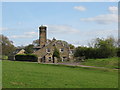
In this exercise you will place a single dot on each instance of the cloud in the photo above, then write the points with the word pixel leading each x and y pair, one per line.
pixel 31 33
pixel 103 19
pixel 113 9
pixel 20 36
pixel 88 36
pixel 62 29
pixel 60 0
pixel 19 23
pixel 3 28
pixel 103 33
pixel 25 35
pixel 80 8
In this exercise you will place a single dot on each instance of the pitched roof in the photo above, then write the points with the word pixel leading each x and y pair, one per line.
pixel 17 51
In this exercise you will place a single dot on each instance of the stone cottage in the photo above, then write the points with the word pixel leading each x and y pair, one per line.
pixel 45 49
pixel 17 51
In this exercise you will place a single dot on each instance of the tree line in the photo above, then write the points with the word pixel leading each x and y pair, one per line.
pixel 99 48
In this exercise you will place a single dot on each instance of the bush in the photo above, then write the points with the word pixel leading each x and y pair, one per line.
pixel 56 53
pixel 118 52
pixel 3 57
pixel 85 52
pixel 26 57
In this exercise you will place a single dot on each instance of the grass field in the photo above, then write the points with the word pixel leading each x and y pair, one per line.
pixel 34 75
pixel 106 62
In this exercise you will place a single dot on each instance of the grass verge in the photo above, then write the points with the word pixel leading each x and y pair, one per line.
pixel 106 62
pixel 33 75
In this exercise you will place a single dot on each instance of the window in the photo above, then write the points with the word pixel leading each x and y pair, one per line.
pixel 48 50
pixel 49 58
pixel 62 50
pixel 63 59
pixel 54 44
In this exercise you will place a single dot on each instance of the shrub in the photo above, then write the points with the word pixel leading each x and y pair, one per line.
pixel 3 57
pixel 56 53
pixel 118 52
pixel 26 57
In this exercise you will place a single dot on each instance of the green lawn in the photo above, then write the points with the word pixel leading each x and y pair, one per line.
pixel 34 75
pixel 106 62
pixel 1 74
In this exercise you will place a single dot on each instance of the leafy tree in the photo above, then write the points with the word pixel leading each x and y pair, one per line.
pixel 118 52
pixel 118 42
pixel 29 49
pixel 63 42
pixel 36 42
pixel 21 47
pixel 7 45
pixel 80 51
pixel 56 53
pixel 105 47
pixel 101 48
pixel 71 46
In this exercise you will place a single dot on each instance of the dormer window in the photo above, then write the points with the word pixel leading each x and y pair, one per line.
pixel 48 50
pixel 54 44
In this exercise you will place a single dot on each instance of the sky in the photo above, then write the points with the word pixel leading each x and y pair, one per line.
pixel 78 23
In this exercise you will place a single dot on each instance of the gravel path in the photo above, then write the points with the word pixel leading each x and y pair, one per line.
pixel 76 64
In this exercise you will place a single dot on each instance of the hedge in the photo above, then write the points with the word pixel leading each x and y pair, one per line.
pixel 118 52
pixel 26 57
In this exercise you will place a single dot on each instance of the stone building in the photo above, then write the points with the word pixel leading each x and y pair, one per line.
pixel 17 51
pixel 45 49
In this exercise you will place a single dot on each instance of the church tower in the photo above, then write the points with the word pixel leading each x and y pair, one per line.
pixel 42 35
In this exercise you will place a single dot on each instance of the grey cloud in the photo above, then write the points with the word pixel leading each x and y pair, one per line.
pixel 62 29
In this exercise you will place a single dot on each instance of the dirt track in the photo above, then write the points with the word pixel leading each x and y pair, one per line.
pixel 76 64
